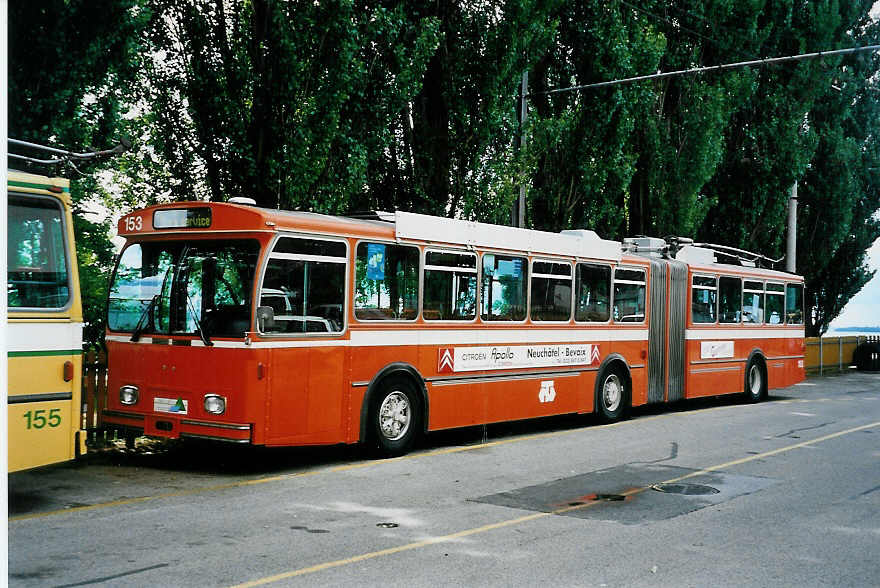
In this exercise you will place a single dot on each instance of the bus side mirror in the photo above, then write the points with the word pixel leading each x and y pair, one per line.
pixel 265 318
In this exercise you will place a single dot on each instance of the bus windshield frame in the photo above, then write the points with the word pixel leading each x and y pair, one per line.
pixel 184 287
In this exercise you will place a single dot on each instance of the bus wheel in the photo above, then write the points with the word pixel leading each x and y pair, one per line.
pixel 612 394
pixel 756 381
pixel 395 417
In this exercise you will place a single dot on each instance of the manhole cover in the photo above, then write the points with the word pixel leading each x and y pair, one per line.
pixel 688 489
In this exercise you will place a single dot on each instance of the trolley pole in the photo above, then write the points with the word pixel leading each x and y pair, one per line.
pixel 791 248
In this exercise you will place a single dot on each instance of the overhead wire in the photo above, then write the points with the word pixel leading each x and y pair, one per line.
pixel 710 68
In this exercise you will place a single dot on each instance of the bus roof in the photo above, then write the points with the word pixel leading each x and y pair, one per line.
pixel 215 217
pixel 404 226
pixel 38 184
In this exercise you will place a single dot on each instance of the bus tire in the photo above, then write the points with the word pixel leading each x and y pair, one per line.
pixel 395 415
pixel 756 381
pixel 612 393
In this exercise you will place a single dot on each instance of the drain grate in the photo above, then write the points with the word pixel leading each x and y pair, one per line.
pixel 686 489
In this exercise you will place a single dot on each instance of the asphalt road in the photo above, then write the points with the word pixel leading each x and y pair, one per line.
pixel 710 493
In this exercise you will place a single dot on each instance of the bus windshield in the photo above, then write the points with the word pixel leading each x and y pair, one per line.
pixel 184 288
pixel 36 254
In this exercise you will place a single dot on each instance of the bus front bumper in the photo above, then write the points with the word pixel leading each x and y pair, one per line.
pixel 171 427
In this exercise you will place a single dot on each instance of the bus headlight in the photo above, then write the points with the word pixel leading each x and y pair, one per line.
pixel 128 395
pixel 215 404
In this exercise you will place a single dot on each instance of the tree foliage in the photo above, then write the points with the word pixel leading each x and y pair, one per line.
pixel 71 69
pixel 383 104
pixel 283 102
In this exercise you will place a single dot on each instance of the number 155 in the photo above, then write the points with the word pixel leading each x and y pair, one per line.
pixel 37 419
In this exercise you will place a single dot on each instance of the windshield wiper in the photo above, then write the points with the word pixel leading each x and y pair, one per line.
pixel 142 324
pixel 202 335
pixel 201 332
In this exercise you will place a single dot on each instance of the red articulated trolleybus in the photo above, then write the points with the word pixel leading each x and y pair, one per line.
pixel 236 323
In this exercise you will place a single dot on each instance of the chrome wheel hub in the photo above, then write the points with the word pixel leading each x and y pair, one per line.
pixel 612 393
pixel 755 380
pixel 394 416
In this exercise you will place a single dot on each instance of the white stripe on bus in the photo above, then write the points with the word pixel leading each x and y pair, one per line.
pixel 482 336
pixel 440 337
pixel 746 333
pixel 31 336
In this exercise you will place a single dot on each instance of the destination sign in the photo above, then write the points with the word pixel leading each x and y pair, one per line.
pixel 182 218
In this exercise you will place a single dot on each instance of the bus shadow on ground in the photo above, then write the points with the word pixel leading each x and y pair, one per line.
pixel 218 458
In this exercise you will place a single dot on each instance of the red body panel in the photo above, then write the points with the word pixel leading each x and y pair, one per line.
pixel 784 358
pixel 188 373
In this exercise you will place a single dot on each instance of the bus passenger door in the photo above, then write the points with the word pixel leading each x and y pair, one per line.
pixel 303 290
pixel 305 394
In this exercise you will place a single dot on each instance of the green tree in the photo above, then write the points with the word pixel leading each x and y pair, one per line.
pixel 385 104
pixel 839 194
pixel 581 156
pixel 274 100
pixel 679 137
pixel 71 65
pixel 813 121
pixel 464 124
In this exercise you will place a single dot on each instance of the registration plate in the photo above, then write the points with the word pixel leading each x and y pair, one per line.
pixel 172 405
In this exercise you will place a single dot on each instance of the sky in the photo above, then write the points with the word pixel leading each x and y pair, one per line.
pixel 862 309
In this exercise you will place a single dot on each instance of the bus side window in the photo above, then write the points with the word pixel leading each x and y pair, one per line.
pixel 551 291
pixel 304 284
pixel 593 293
pixel 387 282
pixel 704 293
pixel 629 296
pixel 450 286
pixel 504 287
pixel 775 297
pixel 794 304
pixel 729 299
pixel 753 302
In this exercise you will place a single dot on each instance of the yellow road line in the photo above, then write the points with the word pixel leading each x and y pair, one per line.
pixel 527 518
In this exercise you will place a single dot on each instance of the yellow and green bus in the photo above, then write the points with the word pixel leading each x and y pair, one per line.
pixel 44 329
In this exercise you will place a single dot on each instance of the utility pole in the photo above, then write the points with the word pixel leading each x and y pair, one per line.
pixel 518 216
pixel 791 245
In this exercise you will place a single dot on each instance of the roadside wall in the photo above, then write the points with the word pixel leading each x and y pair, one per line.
pixel 832 354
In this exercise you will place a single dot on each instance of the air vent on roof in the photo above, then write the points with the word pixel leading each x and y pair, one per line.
pixel 650 246
pixel 242 200
pixel 696 255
